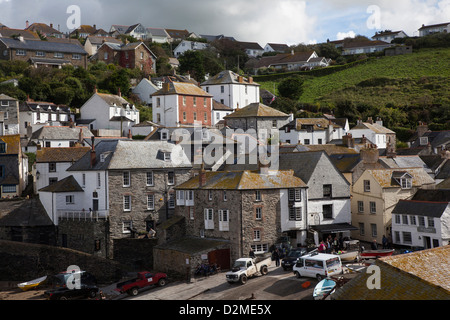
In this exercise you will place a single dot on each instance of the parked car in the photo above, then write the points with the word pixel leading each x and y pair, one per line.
pixel 245 268
pixel 86 291
pixel 62 291
pixel 318 265
pixel 291 258
pixel 142 280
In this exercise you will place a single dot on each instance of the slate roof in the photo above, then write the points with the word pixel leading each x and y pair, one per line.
pixel 26 34
pixel 147 154
pixel 245 180
pixel 43 28
pixel 279 47
pixel 385 179
pixel 100 40
pixel 5 97
pixel 68 184
pixel 38 45
pixel 23 213
pixel 434 25
pixel 182 88
pixel 439 195
pixel 250 45
pixel 43 107
pixel 420 208
pixel 315 123
pixel 227 77
pixel 113 99
pixel 420 275
pixel 410 161
pixel 60 154
pixel 157 32
pixel 220 106
pixel 257 110
pixel 330 149
pixel 84 164
pixel 61 133
pixel 375 127
pixel 284 58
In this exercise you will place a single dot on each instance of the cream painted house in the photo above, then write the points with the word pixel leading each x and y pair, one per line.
pixel 375 194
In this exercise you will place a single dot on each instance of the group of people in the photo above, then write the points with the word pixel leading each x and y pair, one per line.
pixel 331 244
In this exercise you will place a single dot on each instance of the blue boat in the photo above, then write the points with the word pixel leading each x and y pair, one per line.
pixel 324 288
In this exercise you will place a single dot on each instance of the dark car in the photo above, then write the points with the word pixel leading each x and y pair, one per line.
pixel 289 261
pixel 62 291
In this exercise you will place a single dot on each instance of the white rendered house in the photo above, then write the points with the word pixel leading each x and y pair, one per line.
pixel 110 112
pixel 232 90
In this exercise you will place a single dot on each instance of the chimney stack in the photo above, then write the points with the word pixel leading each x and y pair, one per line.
pixel 51 25
pixel 119 93
pixel 370 154
pixel 130 136
pixel 166 87
pixel 93 153
pixel 27 24
pixel 202 176
pixel 348 140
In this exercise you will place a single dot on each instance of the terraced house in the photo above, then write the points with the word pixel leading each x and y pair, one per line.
pixel 43 53
pixel 249 209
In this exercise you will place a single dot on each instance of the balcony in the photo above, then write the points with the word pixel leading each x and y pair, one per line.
pixel 83 215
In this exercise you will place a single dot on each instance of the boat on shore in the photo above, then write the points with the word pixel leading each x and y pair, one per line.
pixel 374 254
pixel 348 255
pixel 31 284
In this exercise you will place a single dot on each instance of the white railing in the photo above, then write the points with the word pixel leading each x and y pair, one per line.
pixel 83 215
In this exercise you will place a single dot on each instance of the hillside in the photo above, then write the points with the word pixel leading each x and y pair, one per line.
pixel 408 82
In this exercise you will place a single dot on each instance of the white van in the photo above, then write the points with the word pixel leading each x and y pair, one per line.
pixel 317 265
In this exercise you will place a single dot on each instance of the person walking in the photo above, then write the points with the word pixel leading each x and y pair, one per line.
pixel 276 255
pixel 322 247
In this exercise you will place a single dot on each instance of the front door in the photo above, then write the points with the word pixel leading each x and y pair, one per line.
pixel 427 242
pixel 95 205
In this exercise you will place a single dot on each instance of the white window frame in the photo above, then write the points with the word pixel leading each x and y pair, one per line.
pixel 256 235
pixel 224 220
pixel 373 207
pixel 171 181
pixel 126 179
pixel 360 206
pixel 150 202
pixel 125 225
pixel 149 179
pixel 209 218
pixel 127 203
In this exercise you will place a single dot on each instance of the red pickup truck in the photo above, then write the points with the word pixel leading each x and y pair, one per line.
pixel 143 279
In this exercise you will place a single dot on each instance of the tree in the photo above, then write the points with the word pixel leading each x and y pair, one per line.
pixel 291 88
pixel 192 62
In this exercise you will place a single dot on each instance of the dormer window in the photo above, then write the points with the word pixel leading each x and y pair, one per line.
pixel 167 156
pixel 406 183
pixel 423 141
pixel 404 179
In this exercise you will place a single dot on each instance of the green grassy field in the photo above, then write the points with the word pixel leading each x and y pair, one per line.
pixel 421 78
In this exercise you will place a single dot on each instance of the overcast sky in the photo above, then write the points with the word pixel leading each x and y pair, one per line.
pixel 262 21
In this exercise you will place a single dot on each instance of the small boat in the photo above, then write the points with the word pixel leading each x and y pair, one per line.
pixel 356 268
pixel 373 254
pixel 348 255
pixel 324 288
pixel 31 284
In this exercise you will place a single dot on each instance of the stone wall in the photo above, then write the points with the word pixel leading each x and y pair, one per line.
pixel 88 235
pixel 24 262
pixel 135 253
pixel 242 218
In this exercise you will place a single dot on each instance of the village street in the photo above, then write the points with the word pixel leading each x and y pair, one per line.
pixel 276 285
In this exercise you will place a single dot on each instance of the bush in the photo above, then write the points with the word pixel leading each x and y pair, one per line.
pixel 291 88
